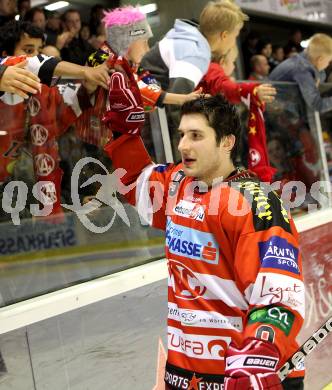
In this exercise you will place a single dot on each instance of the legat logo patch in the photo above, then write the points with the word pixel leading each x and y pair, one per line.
pixel 278 253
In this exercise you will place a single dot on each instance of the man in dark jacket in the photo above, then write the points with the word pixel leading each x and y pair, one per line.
pixel 307 70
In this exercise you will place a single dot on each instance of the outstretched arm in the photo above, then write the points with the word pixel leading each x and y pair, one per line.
pixel 16 79
pixel 98 75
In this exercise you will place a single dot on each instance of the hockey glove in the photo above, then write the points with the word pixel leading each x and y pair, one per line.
pixel 252 367
pixel 125 113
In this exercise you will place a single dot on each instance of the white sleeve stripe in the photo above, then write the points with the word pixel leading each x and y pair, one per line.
pixel 143 201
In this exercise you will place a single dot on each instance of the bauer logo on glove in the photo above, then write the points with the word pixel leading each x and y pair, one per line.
pixel 125 113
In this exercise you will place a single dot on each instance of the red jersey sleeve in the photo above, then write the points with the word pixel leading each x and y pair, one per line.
pixel 144 184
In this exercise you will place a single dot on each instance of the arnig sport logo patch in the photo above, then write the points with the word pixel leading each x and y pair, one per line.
pixel 278 253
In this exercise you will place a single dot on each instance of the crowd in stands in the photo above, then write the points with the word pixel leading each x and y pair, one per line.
pixel 65 35
pixel 261 55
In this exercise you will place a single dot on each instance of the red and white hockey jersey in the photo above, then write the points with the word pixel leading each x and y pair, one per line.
pixel 233 259
pixel 39 122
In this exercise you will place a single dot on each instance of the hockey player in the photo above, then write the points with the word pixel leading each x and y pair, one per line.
pixel 235 288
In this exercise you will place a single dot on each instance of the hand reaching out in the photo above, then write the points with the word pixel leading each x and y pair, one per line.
pixel 266 93
pixel 16 79
pixel 98 75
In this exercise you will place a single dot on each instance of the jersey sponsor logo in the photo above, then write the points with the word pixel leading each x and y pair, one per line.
pixel 267 207
pixel 44 164
pixel 197 346
pixel 203 319
pixel 184 282
pixel 278 253
pixel 190 210
pixel 187 285
pixel 276 316
pixel 39 134
pixel 191 243
pixel 271 288
pixel 193 382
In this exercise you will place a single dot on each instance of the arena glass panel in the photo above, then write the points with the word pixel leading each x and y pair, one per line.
pixel 43 254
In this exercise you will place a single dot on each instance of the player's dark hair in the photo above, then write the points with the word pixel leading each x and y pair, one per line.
pixel 11 33
pixel 221 116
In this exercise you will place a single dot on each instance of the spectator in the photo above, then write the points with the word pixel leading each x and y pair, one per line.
pixel 54 109
pixel 85 32
pixel 97 28
pixel 75 50
pixel 277 56
pixel 217 80
pixel 20 38
pixel 293 46
pixel 53 28
pixel 307 70
pixel 23 6
pixel 182 57
pixel 7 11
pixel 51 51
pixel 96 16
pixel 249 49
pixel 37 17
pixel 260 68
pixel 264 47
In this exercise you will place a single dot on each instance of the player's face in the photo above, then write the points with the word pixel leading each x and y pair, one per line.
pixel 136 50
pixel 28 46
pixel 202 157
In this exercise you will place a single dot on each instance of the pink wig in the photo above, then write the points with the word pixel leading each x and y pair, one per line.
pixel 122 16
